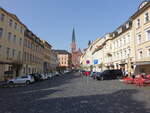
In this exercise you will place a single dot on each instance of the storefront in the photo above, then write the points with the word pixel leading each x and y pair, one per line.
pixel 142 67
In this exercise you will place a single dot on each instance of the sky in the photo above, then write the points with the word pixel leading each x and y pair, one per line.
pixel 53 20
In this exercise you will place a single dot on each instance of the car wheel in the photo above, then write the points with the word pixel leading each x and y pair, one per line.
pixel 27 82
pixel 11 83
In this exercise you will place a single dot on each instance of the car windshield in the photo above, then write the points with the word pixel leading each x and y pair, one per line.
pixel 24 77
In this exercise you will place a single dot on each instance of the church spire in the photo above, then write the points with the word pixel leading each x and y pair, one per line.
pixel 73 36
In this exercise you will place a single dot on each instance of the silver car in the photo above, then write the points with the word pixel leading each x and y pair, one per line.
pixel 27 79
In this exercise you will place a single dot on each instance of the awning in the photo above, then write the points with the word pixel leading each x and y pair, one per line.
pixel 142 63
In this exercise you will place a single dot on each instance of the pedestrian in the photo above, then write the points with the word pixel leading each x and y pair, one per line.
pixel 126 73
pixel 81 73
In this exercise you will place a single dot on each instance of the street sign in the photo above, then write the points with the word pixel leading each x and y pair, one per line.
pixel 87 62
pixel 96 61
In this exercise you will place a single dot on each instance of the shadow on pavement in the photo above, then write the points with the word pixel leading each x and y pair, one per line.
pixel 121 101
pixel 118 102
pixel 55 81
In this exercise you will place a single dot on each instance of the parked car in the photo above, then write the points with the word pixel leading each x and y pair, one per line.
pixel 49 75
pixel 109 75
pixel 56 74
pixel 27 79
pixel 37 76
pixel 44 76
pixel 96 74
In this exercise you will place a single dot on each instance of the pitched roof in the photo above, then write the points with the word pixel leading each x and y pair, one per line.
pixel 61 51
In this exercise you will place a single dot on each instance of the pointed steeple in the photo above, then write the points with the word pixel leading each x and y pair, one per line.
pixel 73 36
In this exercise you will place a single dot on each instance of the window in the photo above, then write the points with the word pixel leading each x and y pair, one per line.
pixel 13 52
pixel 129 51
pixel 19 55
pixel 10 22
pixel 139 40
pixel 25 42
pixel 15 26
pixel 138 23
pixel 8 52
pixel 20 42
pixel 117 43
pixel 146 17
pixel 128 38
pixel 1 32
pixel 125 53
pixel 121 54
pixel 21 30
pixel 0 48
pixel 9 36
pixel 148 52
pixel 124 40
pixel 148 34
pixel 2 16
pixel 14 39
pixel 120 42
pixel 140 54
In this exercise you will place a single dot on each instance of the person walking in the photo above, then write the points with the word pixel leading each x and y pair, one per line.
pixel 126 73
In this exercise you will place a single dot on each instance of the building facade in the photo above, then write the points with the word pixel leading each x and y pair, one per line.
pixel 21 51
pixel 33 51
pixel 141 33
pixel 11 44
pixel 126 48
pixel 64 59
pixel 54 63
pixel 47 57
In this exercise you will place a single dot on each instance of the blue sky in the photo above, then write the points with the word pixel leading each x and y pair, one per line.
pixel 53 20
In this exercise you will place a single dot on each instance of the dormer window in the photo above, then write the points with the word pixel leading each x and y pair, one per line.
pixel 143 4
pixel 127 25
pixel 113 35
pixel 119 30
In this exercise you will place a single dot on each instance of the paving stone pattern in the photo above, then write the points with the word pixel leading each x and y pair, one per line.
pixel 74 94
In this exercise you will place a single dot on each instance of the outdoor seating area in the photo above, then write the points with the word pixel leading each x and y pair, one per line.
pixel 138 80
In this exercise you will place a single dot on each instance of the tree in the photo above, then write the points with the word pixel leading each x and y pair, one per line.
pixel 101 65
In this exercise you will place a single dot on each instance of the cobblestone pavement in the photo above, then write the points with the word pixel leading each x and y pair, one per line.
pixel 74 94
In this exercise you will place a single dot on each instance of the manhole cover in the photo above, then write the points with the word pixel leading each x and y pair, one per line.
pixel 84 102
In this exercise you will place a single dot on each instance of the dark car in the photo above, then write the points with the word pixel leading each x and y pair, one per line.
pixel 37 77
pixel 109 75
pixel 96 74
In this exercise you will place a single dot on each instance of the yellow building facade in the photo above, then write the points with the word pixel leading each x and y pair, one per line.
pixel 32 54
pixel 11 44
pixel 47 57
pixel 141 34
pixel 21 51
